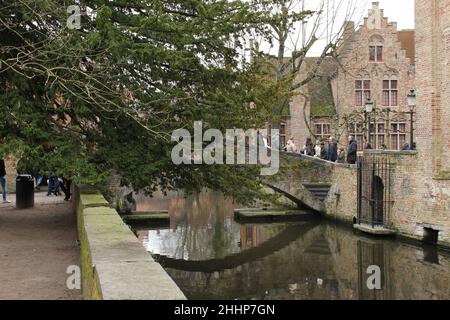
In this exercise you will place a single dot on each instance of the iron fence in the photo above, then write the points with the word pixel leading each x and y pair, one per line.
pixel 374 191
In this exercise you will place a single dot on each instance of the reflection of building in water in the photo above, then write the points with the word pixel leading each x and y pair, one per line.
pixel 195 221
pixel 200 209
pixel 322 261
pixel 157 202
pixel 373 254
pixel 252 236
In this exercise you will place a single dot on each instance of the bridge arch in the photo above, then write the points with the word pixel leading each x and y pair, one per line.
pixel 276 243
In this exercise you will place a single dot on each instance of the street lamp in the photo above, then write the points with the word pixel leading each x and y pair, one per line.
pixel 368 109
pixel 411 105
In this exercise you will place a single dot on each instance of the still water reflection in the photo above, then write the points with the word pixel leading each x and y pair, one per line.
pixel 210 256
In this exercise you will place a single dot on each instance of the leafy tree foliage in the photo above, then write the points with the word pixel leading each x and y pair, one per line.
pixel 105 97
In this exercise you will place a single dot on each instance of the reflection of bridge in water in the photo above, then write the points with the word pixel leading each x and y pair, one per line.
pixel 276 243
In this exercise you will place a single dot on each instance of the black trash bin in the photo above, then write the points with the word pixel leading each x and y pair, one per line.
pixel 24 191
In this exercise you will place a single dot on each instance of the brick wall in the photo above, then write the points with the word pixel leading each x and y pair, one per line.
pixel 431 176
pixel 417 201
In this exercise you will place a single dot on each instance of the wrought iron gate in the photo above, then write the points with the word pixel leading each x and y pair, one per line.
pixel 374 192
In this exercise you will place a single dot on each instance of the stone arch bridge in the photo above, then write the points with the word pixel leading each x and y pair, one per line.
pixel 326 187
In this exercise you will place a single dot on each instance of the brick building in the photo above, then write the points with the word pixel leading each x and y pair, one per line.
pixel 376 62
pixel 385 64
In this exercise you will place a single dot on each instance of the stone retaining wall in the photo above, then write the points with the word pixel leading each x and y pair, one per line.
pixel 114 264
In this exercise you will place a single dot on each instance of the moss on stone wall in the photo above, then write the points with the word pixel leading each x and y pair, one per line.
pixel 442 175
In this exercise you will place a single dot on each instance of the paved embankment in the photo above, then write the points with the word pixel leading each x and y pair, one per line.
pixel 36 247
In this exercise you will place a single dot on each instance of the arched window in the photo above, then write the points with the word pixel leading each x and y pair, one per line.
pixel 376 48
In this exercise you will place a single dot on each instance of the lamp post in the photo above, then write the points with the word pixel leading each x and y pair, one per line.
pixel 368 109
pixel 411 105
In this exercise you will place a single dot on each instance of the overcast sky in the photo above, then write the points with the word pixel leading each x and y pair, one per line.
pixel 400 11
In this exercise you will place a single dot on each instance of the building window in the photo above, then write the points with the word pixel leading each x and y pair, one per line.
pixel 376 53
pixel 398 135
pixel 323 131
pixel 378 136
pixel 390 93
pixel 362 92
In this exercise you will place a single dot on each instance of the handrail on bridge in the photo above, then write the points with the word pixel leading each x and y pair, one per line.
pixel 318 160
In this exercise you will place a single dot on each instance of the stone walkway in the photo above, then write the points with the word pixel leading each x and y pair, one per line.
pixel 36 247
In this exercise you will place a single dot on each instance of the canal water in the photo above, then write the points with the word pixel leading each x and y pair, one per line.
pixel 210 256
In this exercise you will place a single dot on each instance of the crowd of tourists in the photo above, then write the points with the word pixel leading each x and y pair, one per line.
pixel 55 184
pixel 329 151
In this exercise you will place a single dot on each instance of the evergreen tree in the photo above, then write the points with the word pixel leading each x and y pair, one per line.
pixel 108 95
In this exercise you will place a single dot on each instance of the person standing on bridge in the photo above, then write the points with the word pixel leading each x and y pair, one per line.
pixel 3 180
pixel 308 148
pixel 290 146
pixel 352 150
pixel 318 149
pixel 332 149
pixel 323 151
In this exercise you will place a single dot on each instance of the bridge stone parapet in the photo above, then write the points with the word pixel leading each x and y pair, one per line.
pixel 326 187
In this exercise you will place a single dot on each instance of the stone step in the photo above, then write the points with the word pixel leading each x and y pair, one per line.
pixel 146 217
pixel 318 190
pixel 273 215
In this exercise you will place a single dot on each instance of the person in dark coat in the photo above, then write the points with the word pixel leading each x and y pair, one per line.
pixel 352 150
pixel 308 148
pixel 323 151
pixel 65 187
pixel 3 180
pixel 332 150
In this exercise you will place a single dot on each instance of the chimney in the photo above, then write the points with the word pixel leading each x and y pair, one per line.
pixel 348 29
